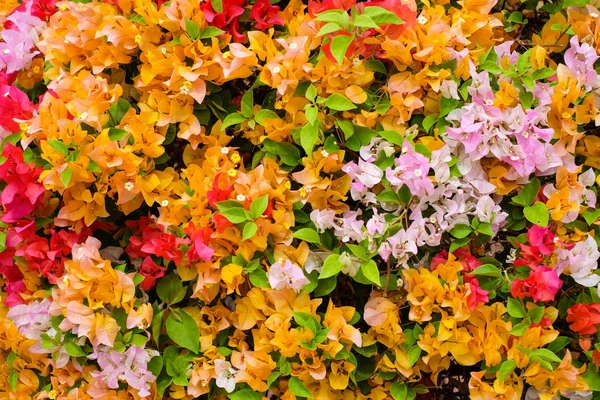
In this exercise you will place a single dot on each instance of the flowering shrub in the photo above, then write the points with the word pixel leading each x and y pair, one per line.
pixel 328 199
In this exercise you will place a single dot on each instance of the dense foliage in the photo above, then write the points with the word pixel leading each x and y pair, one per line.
pixel 328 199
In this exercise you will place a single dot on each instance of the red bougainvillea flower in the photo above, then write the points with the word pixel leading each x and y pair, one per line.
pixel 265 15
pixel 199 238
pixel 151 272
pixel 154 241
pixel 43 9
pixel 316 7
pixel 227 19
pixel 221 223
pixel 22 193
pixel 218 192
pixel 14 104
pixel 584 318
pixel 542 285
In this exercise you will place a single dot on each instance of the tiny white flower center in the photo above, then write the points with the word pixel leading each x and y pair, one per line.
pixel 241 197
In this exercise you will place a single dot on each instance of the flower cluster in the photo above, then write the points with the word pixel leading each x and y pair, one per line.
pixel 322 199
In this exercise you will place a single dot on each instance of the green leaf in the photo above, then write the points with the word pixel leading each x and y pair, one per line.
pixel 298 388
pixel 155 365
pixel 182 329
pixel 245 394
pixel 545 355
pixel 543 73
pixel 536 314
pixel 559 344
pixel 376 66
pixel 519 329
pixel 232 119
pixel 506 368
pixel 325 286
pixel 330 27
pixel 210 31
pixel 413 355
pixel 364 21
pixel 308 137
pixel 65 177
pixel 235 215
pixel 217 5
pixel 308 235
pixel 59 146
pixel 592 378
pixel 338 16
pixel 338 102
pixel 346 127
pixel 515 308
pixel 192 29
pixel 381 16
pixel 371 272
pixel 399 391
pixel 331 266
pixel 228 204
pixel 265 114
pixel 529 193
pixel 485 229
pixel 170 289
pixel 13 378
pixel 249 230
pixel 339 45
pixel 311 111
pixel 447 105
pixel 117 134
pixel 460 231
pixel 93 166
pixel 591 215
pixel 487 270
pixel 258 206
pixel 523 62
pixel 537 214
pixel 311 93
pixel 247 103
pixel 118 109
pixel 73 350
pixel 258 278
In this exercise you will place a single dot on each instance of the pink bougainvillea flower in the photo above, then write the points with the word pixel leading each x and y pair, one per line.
pixel 22 193
pixel 14 105
pixel 542 285
pixel 199 239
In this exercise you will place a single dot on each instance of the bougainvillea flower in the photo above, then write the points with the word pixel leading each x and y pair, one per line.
pixel 542 285
pixel 14 106
pixel 227 19
pixel 151 272
pixel 265 15
pixel 584 318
